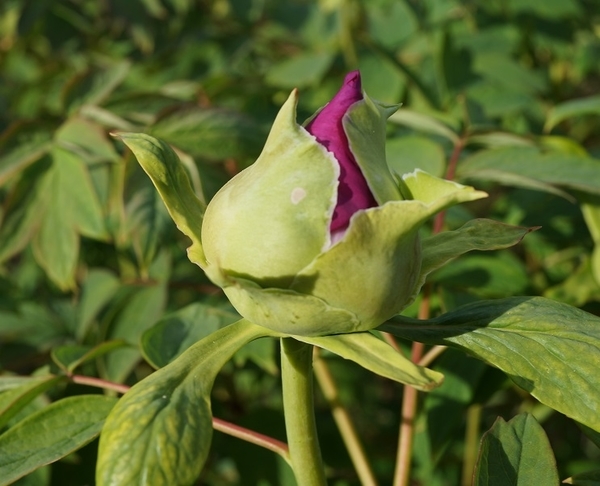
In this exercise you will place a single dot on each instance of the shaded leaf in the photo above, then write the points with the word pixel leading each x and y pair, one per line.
pixel 71 356
pixel 516 452
pixel 299 71
pixel 26 208
pixel 21 145
pixel 591 478
pixel 210 133
pixel 572 108
pixel 549 349
pixel 97 290
pixel 423 123
pixel 13 400
pixel 50 434
pixel 176 332
pixel 530 168
pixel 94 86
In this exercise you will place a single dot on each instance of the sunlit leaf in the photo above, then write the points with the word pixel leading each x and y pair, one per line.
pixel 550 349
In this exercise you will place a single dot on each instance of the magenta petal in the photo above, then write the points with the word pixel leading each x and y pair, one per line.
pixel 353 192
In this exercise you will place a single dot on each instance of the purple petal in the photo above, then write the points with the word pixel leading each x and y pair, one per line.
pixel 353 192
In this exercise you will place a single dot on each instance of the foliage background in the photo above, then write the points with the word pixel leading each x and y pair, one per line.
pixel 506 89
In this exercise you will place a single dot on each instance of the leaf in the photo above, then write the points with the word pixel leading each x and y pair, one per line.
pixel 530 168
pixel 94 86
pixel 25 209
pixel 477 234
pixel 170 179
pixel 160 431
pixel 589 105
pixel 20 146
pixel 590 478
pixel 147 224
pixel 516 452
pixel 51 434
pixel 86 139
pixel 548 348
pixel 71 356
pixel 303 70
pixel 377 356
pixel 142 309
pixel 73 209
pixel 13 400
pixel 424 123
pixel 97 290
pixel 405 154
pixel 176 332
pixel 210 133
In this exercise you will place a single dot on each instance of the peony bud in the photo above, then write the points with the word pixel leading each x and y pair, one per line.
pixel 316 237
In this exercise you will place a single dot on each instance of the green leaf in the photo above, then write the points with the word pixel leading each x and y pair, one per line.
pixel 377 356
pixel 405 154
pixel 86 139
pixel 141 311
pixel 530 168
pixel 302 70
pixel 210 133
pixel 51 434
pixel 94 86
pixel 97 290
pixel 56 246
pixel 147 223
pixel 160 431
pixel 176 332
pixel 13 400
pixel 170 179
pixel 73 209
pixel 548 348
pixel 572 108
pixel 25 208
pixel 477 234
pixel 20 146
pixel 424 123
pixel 590 478
pixel 71 356
pixel 516 452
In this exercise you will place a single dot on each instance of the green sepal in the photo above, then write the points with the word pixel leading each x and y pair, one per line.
pixel 373 270
pixel 160 432
pixel 379 357
pixel 287 311
pixel 364 125
pixel 380 255
pixel 169 177
pixel 285 200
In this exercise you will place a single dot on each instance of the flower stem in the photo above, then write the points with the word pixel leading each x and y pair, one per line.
pixel 303 443
pixel 344 423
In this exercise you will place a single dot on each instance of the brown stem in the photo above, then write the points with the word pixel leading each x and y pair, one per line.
pixel 228 428
pixel 410 396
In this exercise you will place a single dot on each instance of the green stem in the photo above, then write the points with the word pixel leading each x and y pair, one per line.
pixel 303 443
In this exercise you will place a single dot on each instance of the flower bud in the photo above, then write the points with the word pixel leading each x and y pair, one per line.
pixel 316 237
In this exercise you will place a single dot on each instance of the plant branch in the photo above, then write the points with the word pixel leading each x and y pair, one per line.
pixel 228 428
pixel 409 408
pixel 298 406
pixel 410 396
pixel 253 437
pixel 343 422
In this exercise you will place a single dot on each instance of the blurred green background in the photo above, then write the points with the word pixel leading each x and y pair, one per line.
pixel 505 89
